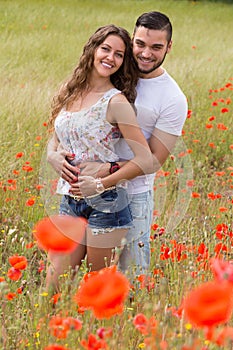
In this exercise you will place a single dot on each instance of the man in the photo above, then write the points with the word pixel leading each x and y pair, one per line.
pixel 161 112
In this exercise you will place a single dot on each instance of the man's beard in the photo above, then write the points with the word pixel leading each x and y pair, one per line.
pixel 157 65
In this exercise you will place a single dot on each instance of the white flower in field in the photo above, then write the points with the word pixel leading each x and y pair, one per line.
pixel 11 231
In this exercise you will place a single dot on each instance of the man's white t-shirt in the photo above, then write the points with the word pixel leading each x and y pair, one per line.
pixel 160 104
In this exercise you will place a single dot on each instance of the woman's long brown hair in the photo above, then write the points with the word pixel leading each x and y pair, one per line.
pixel 125 79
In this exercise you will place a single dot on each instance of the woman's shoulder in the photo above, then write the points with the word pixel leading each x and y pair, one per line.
pixel 118 97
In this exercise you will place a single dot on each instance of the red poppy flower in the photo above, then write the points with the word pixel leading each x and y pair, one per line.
pixel 210 304
pixel 10 296
pixel 220 247
pixel 55 347
pixel 211 195
pixel 41 266
pixel 39 187
pixel 196 195
pixel 212 145
pixel 211 118
pixel 58 328
pixel 154 227
pixel 30 202
pixel 20 290
pixel 27 168
pixel 104 292
pixel 18 262
pixel 104 332
pixel 224 336
pixel 190 183
pixel 221 126
pixel 223 209
pixel 209 126
pixel 144 325
pixel 14 274
pixel 93 343
pixel 220 173
pixel 60 233
pixel 223 270
pixel 29 245
pixel 54 299
pixel 146 282
pixel 19 155
pixel 189 114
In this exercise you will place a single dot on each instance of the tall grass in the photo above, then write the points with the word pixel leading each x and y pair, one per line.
pixel 40 44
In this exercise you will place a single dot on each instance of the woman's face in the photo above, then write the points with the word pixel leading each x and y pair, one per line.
pixel 109 56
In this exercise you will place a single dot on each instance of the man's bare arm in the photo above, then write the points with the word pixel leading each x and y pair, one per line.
pixel 161 144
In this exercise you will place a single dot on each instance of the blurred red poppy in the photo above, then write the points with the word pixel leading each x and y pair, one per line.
pixel 60 326
pixel 19 262
pixel 55 347
pixel 14 274
pixel 196 195
pixel 144 325
pixel 104 332
pixel 103 292
pixel 30 202
pixel 209 304
pixel 60 233
pixel 19 155
pixel 10 296
pixel 54 299
pixel 224 336
pixel 93 343
pixel 222 270
pixel 57 328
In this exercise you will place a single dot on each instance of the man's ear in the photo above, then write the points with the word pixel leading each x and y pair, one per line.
pixel 169 46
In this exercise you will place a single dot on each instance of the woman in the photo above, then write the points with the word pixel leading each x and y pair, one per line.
pixel 89 115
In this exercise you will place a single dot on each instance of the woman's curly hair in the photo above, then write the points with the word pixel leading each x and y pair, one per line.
pixel 125 79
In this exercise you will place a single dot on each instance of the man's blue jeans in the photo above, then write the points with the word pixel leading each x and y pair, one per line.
pixel 135 257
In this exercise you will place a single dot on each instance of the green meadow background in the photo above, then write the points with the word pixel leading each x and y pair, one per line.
pixel 40 43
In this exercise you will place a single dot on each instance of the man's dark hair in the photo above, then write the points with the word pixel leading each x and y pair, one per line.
pixel 155 20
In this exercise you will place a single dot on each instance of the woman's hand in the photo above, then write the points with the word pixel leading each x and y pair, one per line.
pixel 86 186
pixel 60 160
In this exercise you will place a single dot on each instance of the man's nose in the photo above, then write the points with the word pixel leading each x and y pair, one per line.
pixel 146 52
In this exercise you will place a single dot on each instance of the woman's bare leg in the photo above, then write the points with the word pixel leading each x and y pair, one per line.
pixel 59 263
pixel 101 248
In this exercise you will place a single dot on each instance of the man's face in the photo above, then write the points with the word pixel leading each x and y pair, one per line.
pixel 150 48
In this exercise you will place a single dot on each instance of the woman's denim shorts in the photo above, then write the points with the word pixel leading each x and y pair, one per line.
pixel 109 209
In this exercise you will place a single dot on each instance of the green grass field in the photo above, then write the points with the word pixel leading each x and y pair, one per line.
pixel 40 44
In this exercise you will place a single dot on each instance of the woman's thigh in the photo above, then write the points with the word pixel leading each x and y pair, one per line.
pixel 101 248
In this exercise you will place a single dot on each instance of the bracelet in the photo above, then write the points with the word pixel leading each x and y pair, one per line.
pixel 99 186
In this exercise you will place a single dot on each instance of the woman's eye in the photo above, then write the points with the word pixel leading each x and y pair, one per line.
pixel 119 55
pixel 104 48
